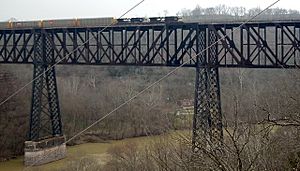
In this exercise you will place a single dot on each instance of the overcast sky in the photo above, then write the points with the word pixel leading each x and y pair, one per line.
pixel 56 9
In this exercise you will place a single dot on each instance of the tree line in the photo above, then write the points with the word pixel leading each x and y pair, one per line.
pixel 237 13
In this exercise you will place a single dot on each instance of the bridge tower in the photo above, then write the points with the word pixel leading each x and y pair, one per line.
pixel 46 142
pixel 207 122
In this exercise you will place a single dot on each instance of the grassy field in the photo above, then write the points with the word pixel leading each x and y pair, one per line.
pixel 94 150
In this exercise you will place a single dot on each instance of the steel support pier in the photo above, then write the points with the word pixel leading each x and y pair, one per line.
pixel 207 123
pixel 46 142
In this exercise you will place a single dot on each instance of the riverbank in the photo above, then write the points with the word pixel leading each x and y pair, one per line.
pixel 97 151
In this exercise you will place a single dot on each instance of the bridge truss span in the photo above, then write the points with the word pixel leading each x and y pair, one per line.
pixel 260 45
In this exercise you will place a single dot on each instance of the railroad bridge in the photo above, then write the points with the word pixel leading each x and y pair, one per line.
pixel 206 47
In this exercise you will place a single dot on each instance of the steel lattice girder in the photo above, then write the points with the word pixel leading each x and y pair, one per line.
pixel 45 119
pixel 260 45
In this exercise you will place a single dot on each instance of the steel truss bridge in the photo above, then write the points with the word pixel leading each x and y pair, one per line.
pixel 254 45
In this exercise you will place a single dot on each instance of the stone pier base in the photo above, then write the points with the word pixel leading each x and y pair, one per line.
pixel 44 151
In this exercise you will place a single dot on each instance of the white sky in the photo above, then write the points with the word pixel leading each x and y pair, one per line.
pixel 59 9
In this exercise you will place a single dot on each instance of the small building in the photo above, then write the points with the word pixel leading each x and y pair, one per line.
pixel 186 107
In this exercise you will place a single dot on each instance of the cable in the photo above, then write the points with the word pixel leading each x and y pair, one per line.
pixel 165 76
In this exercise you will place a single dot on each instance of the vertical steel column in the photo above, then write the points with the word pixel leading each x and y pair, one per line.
pixel 201 105
pixel 214 92
pixel 207 124
pixel 45 119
